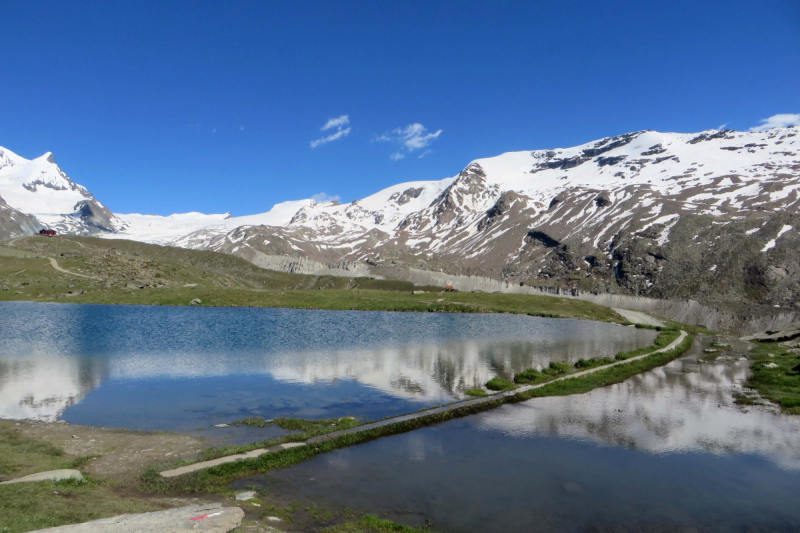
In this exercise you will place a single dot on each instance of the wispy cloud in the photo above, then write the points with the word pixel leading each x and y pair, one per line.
pixel 722 126
pixel 339 123
pixel 410 138
pixel 775 121
pixel 423 154
pixel 322 198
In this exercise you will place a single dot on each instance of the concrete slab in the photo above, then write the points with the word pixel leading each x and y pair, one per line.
pixel 209 518
pixel 228 459
pixel 51 475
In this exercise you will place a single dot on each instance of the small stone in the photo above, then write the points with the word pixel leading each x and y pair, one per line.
pixel 196 301
pixel 273 519
pixel 220 425
pixel 770 355
pixel 244 496
pixel 769 365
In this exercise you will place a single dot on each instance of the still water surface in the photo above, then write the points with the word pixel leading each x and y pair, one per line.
pixel 665 451
pixel 170 368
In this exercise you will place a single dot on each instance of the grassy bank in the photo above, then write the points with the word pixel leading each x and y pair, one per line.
pixel 215 478
pixel 781 383
pixel 27 506
pixel 125 272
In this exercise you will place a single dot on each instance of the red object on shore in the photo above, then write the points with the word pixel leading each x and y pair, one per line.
pixel 48 232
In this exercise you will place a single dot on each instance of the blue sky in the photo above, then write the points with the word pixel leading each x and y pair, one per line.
pixel 162 107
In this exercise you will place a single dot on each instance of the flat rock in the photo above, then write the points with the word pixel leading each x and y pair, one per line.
pixel 207 518
pixel 51 475
pixel 769 365
pixel 781 335
pixel 244 496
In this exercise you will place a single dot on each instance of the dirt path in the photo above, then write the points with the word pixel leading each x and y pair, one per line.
pixel 411 416
pixel 55 265
pixel 637 317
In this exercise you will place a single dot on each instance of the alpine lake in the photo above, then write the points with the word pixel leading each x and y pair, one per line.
pixel 667 450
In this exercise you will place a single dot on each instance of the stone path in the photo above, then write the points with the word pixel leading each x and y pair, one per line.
pixel 228 459
pixel 405 418
pixel 210 518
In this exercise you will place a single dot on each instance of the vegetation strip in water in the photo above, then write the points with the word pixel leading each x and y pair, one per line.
pixel 775 375
pixel 214 478
pixel 558 369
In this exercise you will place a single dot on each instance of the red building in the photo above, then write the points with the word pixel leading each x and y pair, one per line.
pixel 48 232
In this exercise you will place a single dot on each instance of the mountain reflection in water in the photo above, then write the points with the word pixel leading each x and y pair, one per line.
pixel 175 368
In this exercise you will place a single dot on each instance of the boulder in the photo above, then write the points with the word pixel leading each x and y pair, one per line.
pixel 196 301
pixel 51 475
pixel 208 518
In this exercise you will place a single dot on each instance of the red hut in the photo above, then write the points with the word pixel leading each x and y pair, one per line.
pixel 48 232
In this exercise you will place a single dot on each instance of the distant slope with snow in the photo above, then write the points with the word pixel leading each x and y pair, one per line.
pixel 712 215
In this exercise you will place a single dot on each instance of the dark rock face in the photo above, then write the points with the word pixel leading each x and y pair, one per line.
pixel 500 208
pixel 606 146
pixel 603 161
pixel 602 200
pixel 16 224
pixel 722 134
pixel 407 195
pixel 654 150
pixel 543 238
pixel 95 215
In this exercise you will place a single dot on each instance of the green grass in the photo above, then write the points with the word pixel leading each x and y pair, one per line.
pixel 213 478
pixel 226 281
pixel 28 506
pixel 500 384
pixel 373 524
pixel 780 385
pixel 477 393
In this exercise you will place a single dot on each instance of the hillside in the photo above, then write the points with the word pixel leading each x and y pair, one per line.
pixel 92 270
pixel 711 216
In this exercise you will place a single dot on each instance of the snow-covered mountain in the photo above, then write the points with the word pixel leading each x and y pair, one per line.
pixel 663 214
pixel 39 189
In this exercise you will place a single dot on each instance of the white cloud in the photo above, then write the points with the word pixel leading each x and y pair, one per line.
pixel 241 128
pixel 412 137
pixel 322 197
pixel 423 154
pixel 722 126
pixel 776 121
pixel 337 122
pixel 341 131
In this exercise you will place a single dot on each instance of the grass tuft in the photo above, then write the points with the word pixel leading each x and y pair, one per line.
pixel 500 384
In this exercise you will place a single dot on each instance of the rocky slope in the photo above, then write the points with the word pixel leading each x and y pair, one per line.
pixel 711 216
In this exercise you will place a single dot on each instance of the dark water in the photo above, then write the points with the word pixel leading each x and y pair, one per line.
pixel 664 451
pixel 141 367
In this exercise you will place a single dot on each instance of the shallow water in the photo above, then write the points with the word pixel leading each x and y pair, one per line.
pixel 667 450
pixel 171 368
